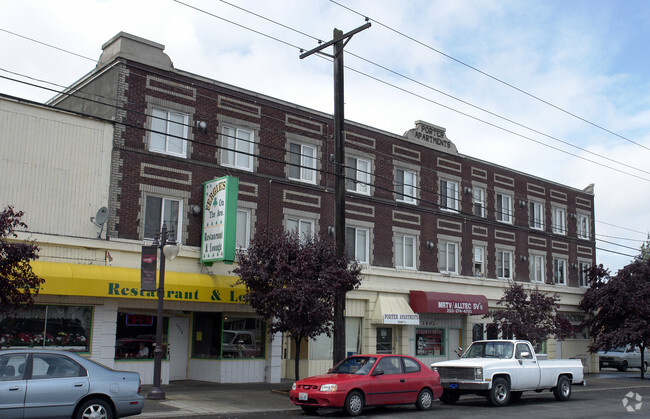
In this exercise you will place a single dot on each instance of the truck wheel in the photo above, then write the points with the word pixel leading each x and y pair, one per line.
pixel 425 399
pixel 499 394
pixel 449 397
pixel 623 367
pixel 563 390
pixel 354 403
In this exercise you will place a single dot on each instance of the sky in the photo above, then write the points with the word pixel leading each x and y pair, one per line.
pixel 555 89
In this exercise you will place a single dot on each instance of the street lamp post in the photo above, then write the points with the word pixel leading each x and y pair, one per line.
pixel 166 242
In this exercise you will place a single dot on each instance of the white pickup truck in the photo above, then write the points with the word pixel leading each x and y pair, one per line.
pixel 502 370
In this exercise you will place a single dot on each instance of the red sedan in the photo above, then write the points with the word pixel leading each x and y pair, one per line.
pixel 369 380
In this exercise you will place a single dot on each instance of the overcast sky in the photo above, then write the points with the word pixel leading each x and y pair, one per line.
pixel 556 89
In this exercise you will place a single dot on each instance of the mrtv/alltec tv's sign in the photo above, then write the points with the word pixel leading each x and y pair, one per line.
pixel 219 220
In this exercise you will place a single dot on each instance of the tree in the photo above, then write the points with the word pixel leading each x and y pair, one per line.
pixel 292 283
pixel 645 250
pixel 18 283
pixel 618 313
pixel 530 315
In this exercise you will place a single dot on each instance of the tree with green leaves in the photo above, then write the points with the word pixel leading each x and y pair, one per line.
pixel 618 313
pixel 291 282
pixel 645 250
pixel 530 315
pixel 18 283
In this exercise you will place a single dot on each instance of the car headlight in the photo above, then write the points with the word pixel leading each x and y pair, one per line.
pixel 329 387
pixel 434 368
pixel 293 386
pixel 478 373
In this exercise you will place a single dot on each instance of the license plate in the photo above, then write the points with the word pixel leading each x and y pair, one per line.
pixel 303 396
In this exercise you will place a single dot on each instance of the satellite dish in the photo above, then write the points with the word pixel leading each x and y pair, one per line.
pixel 100 219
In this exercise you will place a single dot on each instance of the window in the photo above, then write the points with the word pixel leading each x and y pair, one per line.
pixel 478 201
pixel 537 268
pixel 448 257
pixel 218 336
pixel 302 159
pixel 479 261
pixel 504 208
pixel 243 228
pixel 405 185
pixel 46 366
pixel 429 342
pixel 559 220
pixel 357 240
pixel 358 175
pixel 504 264
pixel 559 271
pixel 390 365
pixel 12 367
pixel 160 210
pixel 238 145
pixel 583 226
pixel 582 272
pixel 536 215
pixel 304 227
pixel 135 332
pixel 449 195
pixel 169 132
pixel 384 340
pixel 404 251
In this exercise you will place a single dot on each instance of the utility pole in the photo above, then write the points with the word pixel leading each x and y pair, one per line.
pixel 339 41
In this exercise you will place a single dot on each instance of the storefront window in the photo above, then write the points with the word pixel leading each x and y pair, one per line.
pixel 136 336
pixel 429 342
pixel 240 337
pixel 66 327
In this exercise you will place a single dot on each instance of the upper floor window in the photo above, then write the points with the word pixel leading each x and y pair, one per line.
pixel 404 251
pixel 405 185
pixel 304 227
pixel 237 147
pixel 243 228
pixel 357 242
pixel 159 210
pixel 537 268
pixel 478 201
pixel 504 264
pixel 559 220
pixel 536 215
pixel 583 226
pixel 559 271
pixel 504 208
pixel 582 272
pixel 479 261
pixel 358 175
pixel 302 162
pixel 169 132
pixel 448 195
pixel 448 257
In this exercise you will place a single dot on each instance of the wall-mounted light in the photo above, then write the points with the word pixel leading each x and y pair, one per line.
pixel 430 245
pixel 201 125
pixel 574 265
pixel 522 258
pixel 195 209
pixel 468 190
pixel 522 204
pixel 330 230
pixel 573 216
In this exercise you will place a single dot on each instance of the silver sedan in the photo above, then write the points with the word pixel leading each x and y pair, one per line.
pixel 38 383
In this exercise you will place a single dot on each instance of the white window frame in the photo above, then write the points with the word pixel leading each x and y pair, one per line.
pixel 536 215
pixel 449 190
pixel 560 266
pixel 406 189
pixel 243 228
pixel 359 233
pixel 559 220
pixel 583 280
pixel 583 226
pixel 537 265
pixel 402 243
pixel 164 216
pixel 478 199
pixel 445 256
pixel 164 134
pixel 305 227
pixel 503 208
pixel 478 257
pixel 504 264
pixel 305 164
pixel 358 178
pixel 235 147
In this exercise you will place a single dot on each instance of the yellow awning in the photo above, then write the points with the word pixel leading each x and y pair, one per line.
pixel 109 281
pixel 391 309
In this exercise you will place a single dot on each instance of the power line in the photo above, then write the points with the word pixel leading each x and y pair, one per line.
pixel 49 45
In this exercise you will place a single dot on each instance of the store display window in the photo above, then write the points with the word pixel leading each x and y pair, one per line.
pixel 429 342
pixel 223 336
pixel 136 336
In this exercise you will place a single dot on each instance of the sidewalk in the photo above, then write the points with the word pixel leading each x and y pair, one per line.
pixel 197 398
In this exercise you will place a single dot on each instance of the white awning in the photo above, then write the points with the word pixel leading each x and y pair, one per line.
pixel 391 309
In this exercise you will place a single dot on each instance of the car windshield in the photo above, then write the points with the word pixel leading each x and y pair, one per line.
pixel 359 365
pixel 489 350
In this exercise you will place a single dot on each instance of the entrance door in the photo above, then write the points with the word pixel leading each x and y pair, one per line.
pixel 179 333
pixel 384 340
pixel 454 343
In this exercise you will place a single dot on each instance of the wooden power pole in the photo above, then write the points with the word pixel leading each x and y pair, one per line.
pixel 339 41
